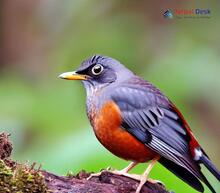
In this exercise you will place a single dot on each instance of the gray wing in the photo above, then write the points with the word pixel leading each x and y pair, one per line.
pixel 148 115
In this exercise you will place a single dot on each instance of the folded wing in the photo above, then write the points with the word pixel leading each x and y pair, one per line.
pixel 147 112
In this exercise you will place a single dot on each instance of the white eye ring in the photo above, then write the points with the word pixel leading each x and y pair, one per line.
pixel 97 69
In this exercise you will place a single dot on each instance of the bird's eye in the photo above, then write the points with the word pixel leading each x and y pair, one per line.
pixel 97 69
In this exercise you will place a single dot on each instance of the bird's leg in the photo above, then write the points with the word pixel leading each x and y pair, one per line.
pixel 144 176
pixel 128 168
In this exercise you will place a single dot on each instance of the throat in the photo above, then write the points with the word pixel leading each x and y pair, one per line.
pixel 92 101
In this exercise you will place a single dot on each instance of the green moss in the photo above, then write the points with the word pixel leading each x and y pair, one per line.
pixel 21 179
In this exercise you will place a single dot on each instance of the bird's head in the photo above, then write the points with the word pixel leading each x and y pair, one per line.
pixel 98 71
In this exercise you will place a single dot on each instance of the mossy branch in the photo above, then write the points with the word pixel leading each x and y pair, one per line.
pixel 21 178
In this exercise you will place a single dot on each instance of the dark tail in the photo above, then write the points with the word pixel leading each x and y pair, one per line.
pixel 183 174
pixel 187 176
pixel 210 166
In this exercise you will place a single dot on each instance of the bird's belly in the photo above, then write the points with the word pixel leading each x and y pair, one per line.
pixel 117 140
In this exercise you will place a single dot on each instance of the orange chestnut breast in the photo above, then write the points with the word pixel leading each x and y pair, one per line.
pixel 117 140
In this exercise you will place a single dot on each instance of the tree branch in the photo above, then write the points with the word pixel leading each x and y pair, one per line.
pixel 15 177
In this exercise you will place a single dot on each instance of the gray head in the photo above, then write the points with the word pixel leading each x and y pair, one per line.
pixel 98 71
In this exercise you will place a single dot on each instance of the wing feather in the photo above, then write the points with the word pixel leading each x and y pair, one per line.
pixel 147 112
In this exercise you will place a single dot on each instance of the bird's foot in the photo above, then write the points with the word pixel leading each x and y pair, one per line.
pixel 109 169
pixel 126 174
pixel 116 172
pixel 136 177
pixel 144 176
pixel 94 175
pixel 123 172
pixel 144 179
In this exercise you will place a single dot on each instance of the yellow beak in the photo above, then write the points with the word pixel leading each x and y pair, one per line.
pixel 72 76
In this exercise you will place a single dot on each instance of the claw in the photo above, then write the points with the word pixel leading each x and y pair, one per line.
pixel 109 169
pixel 155 181
pixel 94 175
pixel 123 173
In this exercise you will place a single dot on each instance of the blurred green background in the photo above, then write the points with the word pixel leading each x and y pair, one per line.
pixel 46 115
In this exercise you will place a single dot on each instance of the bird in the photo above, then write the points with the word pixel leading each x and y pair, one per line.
pixel 135 121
